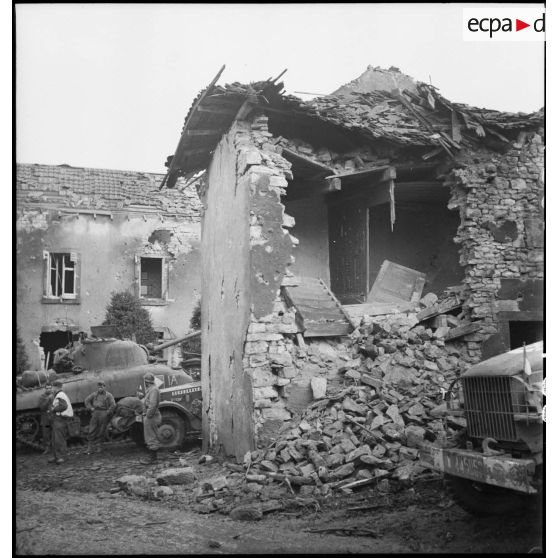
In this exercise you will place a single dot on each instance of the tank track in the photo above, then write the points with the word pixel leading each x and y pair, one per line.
pixel 40 446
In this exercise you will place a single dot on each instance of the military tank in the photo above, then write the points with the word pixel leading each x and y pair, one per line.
pixel 121 364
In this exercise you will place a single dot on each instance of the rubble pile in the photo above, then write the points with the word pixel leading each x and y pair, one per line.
pixel 370 426
pixel 372 400
pixel 377 399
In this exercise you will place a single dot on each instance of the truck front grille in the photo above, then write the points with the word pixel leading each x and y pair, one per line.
pixel 488 407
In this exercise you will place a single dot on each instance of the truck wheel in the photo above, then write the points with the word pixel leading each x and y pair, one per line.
pixel 172 429
pixel 482 499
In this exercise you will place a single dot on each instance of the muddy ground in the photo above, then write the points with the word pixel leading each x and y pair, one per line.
pixel 68 509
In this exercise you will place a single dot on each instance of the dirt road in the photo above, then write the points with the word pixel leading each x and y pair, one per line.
pixel 68 509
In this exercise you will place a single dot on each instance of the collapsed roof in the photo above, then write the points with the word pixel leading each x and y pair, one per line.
pixel 419 118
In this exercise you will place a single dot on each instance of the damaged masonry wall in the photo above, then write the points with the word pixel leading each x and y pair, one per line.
pixel 501 235
pixel 241 280
pixel 107 236
pixel 499 200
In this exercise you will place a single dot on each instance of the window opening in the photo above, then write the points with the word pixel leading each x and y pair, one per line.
pixel 62 277
pixel 151 277
pixel 51 341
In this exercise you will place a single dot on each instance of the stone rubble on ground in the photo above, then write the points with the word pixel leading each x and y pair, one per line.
pixel 365 430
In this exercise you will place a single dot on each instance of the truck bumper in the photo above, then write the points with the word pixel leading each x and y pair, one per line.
pixel 497 470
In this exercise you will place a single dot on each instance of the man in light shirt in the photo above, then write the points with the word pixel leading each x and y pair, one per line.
pixel 61 412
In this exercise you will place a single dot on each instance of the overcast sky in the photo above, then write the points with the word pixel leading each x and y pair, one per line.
pixel 109 85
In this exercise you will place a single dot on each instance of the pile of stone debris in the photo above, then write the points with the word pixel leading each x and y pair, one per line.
pixel 367 429
pixel 364 430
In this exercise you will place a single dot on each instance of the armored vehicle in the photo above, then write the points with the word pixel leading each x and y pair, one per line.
pixel 497 462
pixel 121 364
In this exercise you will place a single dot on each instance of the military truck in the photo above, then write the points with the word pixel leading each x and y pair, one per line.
pixel 121 364
pixel 497 461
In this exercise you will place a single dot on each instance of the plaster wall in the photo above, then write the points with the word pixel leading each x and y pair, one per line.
pixel 106 249
pixel 311 229
pixel 225 304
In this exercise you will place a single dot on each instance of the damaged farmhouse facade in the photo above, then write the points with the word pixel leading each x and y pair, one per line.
pixel 84 233
pixel 319 217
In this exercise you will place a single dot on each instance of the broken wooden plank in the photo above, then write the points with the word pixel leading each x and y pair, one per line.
pixel 397 283
pixel 460 331
pixel 319 313
pixel 327 330
pixel 439 308
pixel 179 152
pixel 358 483
pixel 315 304
pixel 378 308
pixel 339 305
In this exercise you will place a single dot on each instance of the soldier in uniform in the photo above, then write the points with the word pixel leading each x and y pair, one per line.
pixel 127 409
pixel 151 418
pixel 101 404
pixel 61 411
pixel 45 402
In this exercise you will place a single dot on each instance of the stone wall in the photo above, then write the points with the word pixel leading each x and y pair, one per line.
pixel 500 198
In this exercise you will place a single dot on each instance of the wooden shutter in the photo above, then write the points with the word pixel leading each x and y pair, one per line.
pixel 46 272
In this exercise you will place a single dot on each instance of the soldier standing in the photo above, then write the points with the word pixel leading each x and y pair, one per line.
pixel 61 412
pixel 101 404
pixel 152 418
pixel 45 402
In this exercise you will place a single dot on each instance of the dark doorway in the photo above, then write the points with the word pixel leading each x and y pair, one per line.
pixel 348 251
pixel 525 332
pixel 51 341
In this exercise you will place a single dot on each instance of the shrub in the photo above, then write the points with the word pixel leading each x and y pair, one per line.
pixel 126 313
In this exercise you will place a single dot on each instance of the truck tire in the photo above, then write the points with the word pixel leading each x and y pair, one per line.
pixel 172 430
pixel 482 499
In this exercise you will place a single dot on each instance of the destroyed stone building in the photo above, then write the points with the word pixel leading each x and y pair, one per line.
pixel 380 240
pixel 84 233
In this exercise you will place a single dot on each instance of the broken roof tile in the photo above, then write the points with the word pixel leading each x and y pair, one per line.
pixel 408 117
pixel 63 186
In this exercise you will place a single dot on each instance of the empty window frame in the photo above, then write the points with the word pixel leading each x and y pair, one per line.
pixel 151 277
pixel 61 277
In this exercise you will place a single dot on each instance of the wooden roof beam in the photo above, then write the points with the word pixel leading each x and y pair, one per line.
pixel 386 173
pixel 204 132
pixel 290 154
pixel 216 110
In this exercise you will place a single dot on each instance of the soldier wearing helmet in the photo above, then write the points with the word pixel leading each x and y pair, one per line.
pixel 151 418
